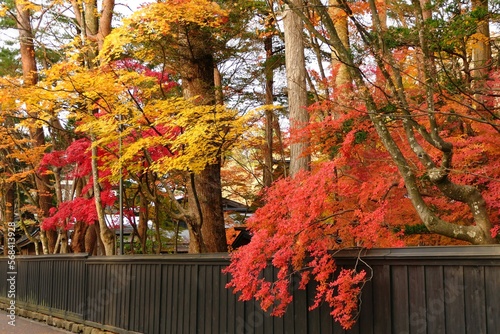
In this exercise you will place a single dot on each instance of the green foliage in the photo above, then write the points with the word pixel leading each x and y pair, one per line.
pixel 6 20
pixel 396 37
pixel 360 136
pixel 9 62
pixel 449 33
pixel 415 229
pixel 410 229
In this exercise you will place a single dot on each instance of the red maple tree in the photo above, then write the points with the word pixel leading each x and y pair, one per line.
pixel 355 197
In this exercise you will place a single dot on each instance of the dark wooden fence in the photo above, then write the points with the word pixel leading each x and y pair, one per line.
pixel 414 290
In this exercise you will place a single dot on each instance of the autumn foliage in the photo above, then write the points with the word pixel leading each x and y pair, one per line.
pixel 373 151
pixel 81 208
pixel 308 217
pixel 353 197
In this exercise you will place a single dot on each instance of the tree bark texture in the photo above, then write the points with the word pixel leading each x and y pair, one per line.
pixel 296 85
pixel 269 75
pixel 339 17
pixel 206 221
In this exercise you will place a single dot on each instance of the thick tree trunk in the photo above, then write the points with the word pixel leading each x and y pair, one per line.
pixel 91 240
pixel 296 86
pixel 206 221
pixel 30 78
pixel 481 48
pixel 210 200
pixel 78 237
pixel 339 17
pixel 481 61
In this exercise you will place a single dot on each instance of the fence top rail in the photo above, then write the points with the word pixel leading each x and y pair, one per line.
pixel 73 256
pixel 439 253
pixel 427 252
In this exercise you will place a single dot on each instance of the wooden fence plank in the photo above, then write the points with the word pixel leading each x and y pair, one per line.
pixel 111 299
pixel 177 299
pixel 184 301
pixel 300 303
pixel 224 297
pixel 382 294
pixel 365 321
pixel 475 308
pixel 492 284
pixel 326 320
pixel 231 311
pixel 155 293
pixel 135 298
pixel 417 299
pixel 399 285
pixel 204 298
pixel 314 324
pixel 194 294
pixel 454 299
pixel 434 291
pixel 167 299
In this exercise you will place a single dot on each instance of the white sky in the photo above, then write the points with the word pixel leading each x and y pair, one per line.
pixel 127 7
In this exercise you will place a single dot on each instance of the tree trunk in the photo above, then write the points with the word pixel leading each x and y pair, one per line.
pixel 219 96
pixel 296 85
pixel 91 240
pixel 207 229
pixel 78 237
pixel 210 199
pixel 142 229
pixel 107 236
pixel 30 78
pixel 481 60
pixel 339 17
pixel 80 229
pixel 481 50
pixel 269 75
pixel 22 223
